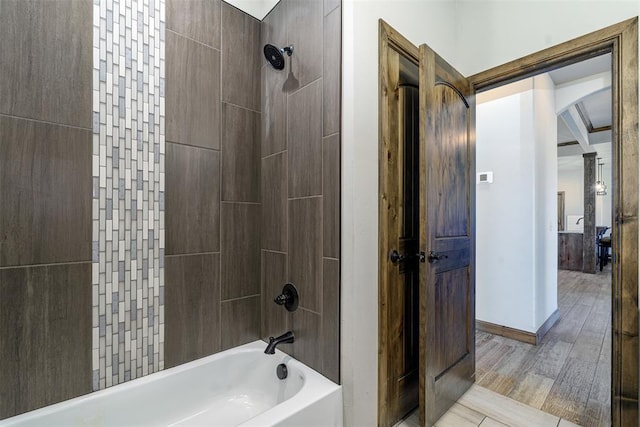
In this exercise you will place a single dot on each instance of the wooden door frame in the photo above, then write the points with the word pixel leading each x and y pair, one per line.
pixel 562 193
pixel 622 41
pixel 388 215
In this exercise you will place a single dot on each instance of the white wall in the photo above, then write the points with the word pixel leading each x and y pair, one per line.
pixel 493 32
pixel 545 232
pixel 421 21
pixel 516 282
pixel 570 181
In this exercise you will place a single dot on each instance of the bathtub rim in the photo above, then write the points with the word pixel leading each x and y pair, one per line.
pixel 316 386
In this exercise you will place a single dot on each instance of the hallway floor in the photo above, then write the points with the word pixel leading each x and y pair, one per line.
pixel 569 373
pixel 485 408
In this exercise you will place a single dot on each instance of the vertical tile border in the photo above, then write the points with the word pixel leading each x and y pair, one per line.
pixel 128 189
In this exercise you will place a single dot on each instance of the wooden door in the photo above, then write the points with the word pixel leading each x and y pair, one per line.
pixel 399 244
pixel 447 211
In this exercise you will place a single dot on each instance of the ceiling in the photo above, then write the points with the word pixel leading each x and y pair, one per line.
pixel 592 113
pixel 256 8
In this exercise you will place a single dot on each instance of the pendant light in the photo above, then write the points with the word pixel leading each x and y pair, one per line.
pixel 601 187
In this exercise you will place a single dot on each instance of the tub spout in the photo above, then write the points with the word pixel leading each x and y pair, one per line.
pixel 286 338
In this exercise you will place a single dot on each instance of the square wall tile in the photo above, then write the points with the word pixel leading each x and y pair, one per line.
pixel 48 76
pixel 240 321
pixel 192 200
pixel 240 154
pixel 45 336
pixel 45 193
pixel 192 307
pixel 240 250
pixel 197 19
pixel 192 93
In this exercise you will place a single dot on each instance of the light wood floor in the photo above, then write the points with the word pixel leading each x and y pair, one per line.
pixel 485 408
pixel 569 373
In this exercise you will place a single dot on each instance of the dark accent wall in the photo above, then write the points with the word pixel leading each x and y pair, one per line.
pixel 45 202
pixel 212 201
pixel 301 179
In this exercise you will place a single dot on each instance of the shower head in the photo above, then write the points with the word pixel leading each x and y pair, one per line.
pixel 275 56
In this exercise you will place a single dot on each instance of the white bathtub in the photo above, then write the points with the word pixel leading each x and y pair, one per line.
pixel 238 387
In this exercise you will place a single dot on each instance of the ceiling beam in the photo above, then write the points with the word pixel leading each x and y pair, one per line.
pixel 572 119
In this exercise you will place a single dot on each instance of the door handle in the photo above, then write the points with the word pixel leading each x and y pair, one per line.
pixel 434 256
pixel 395 257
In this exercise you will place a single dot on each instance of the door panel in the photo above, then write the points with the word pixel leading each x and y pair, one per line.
pixel 447 285
pixel 400 216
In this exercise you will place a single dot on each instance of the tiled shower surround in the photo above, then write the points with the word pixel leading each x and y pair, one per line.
pixel 245 184
pixel 128 190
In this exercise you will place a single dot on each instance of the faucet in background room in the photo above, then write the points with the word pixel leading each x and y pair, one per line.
pixel 286 338
pixel 579 219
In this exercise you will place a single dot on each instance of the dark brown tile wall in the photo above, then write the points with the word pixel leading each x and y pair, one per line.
pixel 274 202
pixel 275 320
pixel 45 335
pixel 241 321
pixel 192 200
pixel 192 92
pixel 192 313
pixel 196 19
pixel 301 179
pixel 47 54
pixel 45 202
pixel 241 250
pixel 212 180
pixel 45 193
pixel 240 154
pixel 242 57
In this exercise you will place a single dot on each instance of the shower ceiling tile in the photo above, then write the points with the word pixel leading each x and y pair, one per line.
pixel 196 19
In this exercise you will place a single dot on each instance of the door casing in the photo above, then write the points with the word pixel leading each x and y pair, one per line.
pixel 621 40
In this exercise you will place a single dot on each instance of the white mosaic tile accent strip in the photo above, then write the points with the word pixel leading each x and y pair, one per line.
pixel 128 189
